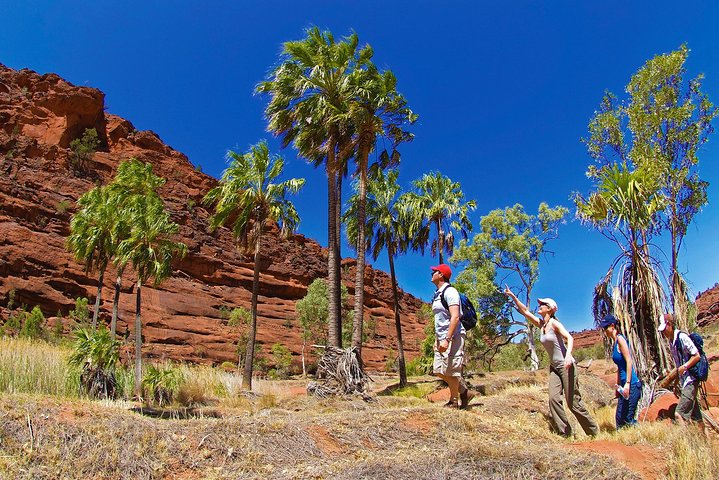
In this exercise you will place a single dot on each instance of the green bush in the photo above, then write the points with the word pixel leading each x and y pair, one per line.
pixel 82 149
pixel 595 352
pixel 97 354
pixel 161 384
pixel 81 313
pixel 34 324
pixel 282 360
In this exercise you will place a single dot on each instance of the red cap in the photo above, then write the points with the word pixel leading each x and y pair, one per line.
pixel 444 269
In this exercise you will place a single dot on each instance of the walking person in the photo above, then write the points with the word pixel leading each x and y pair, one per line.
pixel 685 355
pixel 563 381
pixel 628 386
pixel 449 337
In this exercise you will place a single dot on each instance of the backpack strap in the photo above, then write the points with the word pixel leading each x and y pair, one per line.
pixel 442 299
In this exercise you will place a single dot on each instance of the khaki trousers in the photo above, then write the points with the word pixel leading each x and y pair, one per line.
pixel 564 383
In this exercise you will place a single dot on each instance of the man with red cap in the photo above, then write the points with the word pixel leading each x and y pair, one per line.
pixel 449 336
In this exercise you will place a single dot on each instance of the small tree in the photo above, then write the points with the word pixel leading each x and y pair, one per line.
pixel 240 318
pixel 508 248
pixel 82 150
pixel 281 359
pixel 34 324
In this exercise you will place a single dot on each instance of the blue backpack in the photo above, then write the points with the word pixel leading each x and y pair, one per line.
pixel 700 371
pixel 469 314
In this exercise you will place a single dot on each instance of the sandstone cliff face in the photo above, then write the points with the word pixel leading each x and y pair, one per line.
pixel 39 116
pixel 707 303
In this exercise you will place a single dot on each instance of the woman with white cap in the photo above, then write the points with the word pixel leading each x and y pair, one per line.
pixel 563 381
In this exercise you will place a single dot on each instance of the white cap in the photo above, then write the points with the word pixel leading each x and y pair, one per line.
pixel 663 322
pixel 549 301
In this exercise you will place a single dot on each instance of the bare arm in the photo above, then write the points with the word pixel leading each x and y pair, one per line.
pixel 522 308
pixel 624 349
pixel 453 322
pixel 568 342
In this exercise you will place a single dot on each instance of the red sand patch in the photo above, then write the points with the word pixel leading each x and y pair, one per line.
pixel 324 440
pixel 647 462
pixel 419 423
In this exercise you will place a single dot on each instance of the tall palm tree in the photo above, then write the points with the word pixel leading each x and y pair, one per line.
pixel 248 198
pixel 437 202
pixel 309 104
pixel 386 227
pixel 133 180
pixel 93 236
pixel 625 207
pixel 377 110
pixel 149 246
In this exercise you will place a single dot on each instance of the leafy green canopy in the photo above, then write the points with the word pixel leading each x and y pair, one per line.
pixel 508 249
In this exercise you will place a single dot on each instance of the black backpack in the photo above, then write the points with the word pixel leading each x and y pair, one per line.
pixel 469 314
pixel 700 370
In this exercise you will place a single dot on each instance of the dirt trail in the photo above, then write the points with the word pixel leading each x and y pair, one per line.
pixel 646 461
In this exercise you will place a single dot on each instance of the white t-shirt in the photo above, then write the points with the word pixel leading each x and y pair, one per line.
pixel 689 350
pixel 441 314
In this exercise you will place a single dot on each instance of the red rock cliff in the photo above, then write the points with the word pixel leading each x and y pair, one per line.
pixel 39 116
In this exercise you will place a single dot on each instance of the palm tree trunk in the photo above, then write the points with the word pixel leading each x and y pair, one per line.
pixel 97 299
pixel 397 322
pixel 115 303
pixel 250 354
pixel 338 257
pixel 138 341
pixel 440 239
pixel 333 335
pixel 359 277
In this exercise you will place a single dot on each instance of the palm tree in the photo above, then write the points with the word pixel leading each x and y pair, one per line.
pixel 247 198
pixel 377 110
pixel 438 202
pixel 385 228
pixel 149 246
pixel 625 207
pixel 310 93
pixel 93 236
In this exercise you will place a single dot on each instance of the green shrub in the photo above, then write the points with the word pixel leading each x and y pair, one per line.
pixel 282 360
pixel 11 299
pixel 97 354
pixel 62 206
pixel 34 324
pixel 82 149
pixel 81 313
pixel 161 384
pixel 595 352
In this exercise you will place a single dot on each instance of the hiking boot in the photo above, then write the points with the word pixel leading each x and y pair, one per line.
pixel 452 403
pixel 465 397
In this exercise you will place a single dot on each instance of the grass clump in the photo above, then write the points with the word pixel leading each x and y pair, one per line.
pixel 34 366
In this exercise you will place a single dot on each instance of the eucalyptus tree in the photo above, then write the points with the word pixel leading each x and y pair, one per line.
pixel 149 247
pixel 659 130
pixel 248 198
pixel 437 202
pixel 386 227
pixel 93 238
pixel 508 248
pixel 377 110
pixel 309 94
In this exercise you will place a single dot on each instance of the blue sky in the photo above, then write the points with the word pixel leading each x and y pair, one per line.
pixel 504 91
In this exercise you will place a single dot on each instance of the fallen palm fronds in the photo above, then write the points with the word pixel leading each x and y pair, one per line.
pixel 342 373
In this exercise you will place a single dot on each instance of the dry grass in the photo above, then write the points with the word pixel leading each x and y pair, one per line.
pixel 32 366
pixel 275 433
